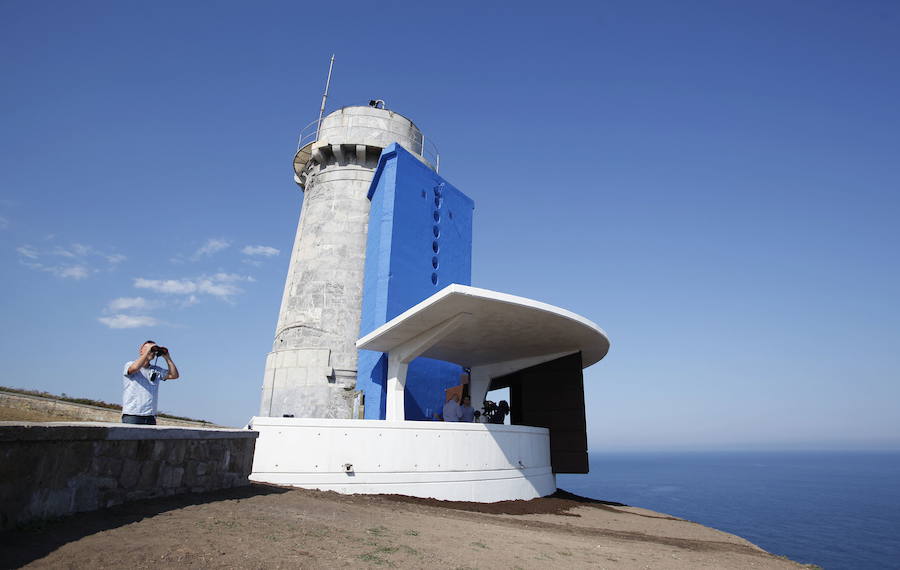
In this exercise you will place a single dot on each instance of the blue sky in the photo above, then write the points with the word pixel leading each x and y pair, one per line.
pixel 713 183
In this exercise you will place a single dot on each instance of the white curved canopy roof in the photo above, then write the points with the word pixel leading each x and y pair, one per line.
pixel 494 327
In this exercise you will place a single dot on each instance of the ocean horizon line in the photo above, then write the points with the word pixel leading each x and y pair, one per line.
pixel 737 450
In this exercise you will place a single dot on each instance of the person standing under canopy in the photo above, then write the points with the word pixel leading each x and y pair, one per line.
pixel 466 411
pixel 451 409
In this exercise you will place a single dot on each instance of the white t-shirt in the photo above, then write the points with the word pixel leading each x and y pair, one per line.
pixel 139 394
pixel 451 411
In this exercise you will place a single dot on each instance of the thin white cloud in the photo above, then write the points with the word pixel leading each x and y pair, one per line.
pixel 4 223
pixel 169 286
pixel 128 321
pixel 81 250
pixel 129 303
pixel 73 271
pixel 221 290
pixel 231 277
pixel 220 285
pixel 66 271
pixel 28 251
pixel 191 300
pixel 212 246
pixel 260 250
pixel 61 252
pixel 78 263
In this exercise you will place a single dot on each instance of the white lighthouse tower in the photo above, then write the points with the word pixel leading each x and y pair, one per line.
pixel 378 303
pixel 311 371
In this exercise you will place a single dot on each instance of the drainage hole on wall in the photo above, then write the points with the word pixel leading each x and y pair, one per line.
pixel 437 216
pixel 435 247
pixel 434 262
pixel 434 278
pixel 436 231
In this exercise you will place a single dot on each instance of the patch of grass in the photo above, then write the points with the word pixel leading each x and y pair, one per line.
pixel 478 544
pixel 216 524
pixel 388 549
pixel 411 533
pixel 377 530
pixel 373 558
pixel 410 550
pixel 89 402
pixel 316 532
pixel 564 553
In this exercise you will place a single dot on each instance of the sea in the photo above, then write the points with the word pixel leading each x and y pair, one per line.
pixel 838 510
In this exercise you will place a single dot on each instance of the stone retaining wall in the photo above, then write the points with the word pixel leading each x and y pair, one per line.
pixel 54 469
pixel 70 411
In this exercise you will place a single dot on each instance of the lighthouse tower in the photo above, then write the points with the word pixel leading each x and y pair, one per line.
pixel 312 369
pixel 380 325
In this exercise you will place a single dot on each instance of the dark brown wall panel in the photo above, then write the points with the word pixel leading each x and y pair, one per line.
pixel 551 395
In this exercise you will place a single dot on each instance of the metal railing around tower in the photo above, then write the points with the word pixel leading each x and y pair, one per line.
pixel 309 134
pixel 426 149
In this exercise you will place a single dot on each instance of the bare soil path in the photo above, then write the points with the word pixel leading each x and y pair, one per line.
pixel 271 527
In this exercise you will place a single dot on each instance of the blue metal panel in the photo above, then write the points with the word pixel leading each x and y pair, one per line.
pixel 419 241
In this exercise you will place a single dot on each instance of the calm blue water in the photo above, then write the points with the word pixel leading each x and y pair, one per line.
pixel 836 509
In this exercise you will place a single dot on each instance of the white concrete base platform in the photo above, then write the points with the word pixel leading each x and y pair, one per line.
pixel 449 461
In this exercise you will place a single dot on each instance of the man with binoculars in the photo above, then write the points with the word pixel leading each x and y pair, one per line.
pixel 141 384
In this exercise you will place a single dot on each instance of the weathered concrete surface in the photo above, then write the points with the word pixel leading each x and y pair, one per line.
pixel 311 371
pixel 60 410
pixel 54 469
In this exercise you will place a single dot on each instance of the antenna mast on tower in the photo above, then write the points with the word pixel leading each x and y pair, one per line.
pixel 324 97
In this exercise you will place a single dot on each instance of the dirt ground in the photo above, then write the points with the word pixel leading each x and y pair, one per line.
pixel 12 414
pixel 265 526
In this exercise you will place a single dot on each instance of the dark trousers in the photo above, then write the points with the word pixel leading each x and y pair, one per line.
pixel 140 420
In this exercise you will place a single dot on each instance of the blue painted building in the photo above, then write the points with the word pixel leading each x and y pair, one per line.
pixel 419 241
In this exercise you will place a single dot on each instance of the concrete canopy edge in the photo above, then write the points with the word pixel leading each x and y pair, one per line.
pixel 593 342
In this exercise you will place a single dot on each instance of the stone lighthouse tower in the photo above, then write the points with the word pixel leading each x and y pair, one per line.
pixel 311 371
